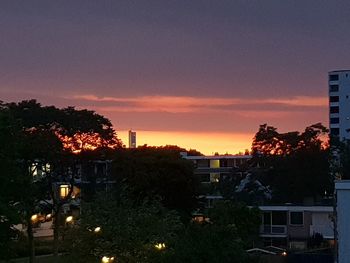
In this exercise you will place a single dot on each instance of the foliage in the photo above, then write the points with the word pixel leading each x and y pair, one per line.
pixel 34 134
pixel 150 171
pixel 295 164
pixel 246 220
pixel 232 228
pixel 9 177
pixel 77 129
pixel 129 231
pixel 208 243
pixel 340 158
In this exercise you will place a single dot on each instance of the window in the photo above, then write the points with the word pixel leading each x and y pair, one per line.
pixel 214 177
pixel 267 218
pixel 334 109
pixel 333 88
pixel 333 77
pixel 203 163
pixel 279 218
pixel 334 120
pixel 334 99
pixel 64 190
pixel 335 131
pixel 214 163
pixel 223 163
pixel 205 178
pixel 296 218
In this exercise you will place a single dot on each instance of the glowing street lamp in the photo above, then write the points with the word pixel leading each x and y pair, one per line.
pixel 69 219
pixel 106 259
pixel 34 217
pixel 97 229
pixel 160 246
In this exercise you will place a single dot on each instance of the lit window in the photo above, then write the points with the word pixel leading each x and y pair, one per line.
pixel 214 177
pixel 214 163
pixel 296 218
pixel 64 190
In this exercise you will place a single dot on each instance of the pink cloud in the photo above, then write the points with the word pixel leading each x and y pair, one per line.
pixel 183 104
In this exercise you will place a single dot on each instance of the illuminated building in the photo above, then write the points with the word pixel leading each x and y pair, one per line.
pixel 210 170
pixel 132 139
pixel 339 103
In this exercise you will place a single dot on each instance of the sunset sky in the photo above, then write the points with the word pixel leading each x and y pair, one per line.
pixel 199 74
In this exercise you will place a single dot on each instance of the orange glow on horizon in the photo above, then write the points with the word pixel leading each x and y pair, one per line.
pixel 207 143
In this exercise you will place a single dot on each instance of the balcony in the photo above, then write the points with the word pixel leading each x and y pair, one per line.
pixel 273 230
pixel 326 231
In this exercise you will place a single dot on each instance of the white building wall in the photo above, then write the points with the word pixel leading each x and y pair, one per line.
pixel 343 220
pixel 322 224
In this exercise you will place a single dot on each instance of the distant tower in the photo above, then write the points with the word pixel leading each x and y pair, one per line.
pixel 339 103
pixel 132 139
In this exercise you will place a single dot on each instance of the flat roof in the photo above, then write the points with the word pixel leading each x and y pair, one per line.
pixel 313 208
pixel 215 157
pixel 342 185
pixel 341 70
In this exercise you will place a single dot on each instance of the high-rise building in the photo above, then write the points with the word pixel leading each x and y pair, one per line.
pixel 339 103
pixel 132 139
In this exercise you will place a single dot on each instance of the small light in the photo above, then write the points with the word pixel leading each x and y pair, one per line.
pixel 69 219
pixel 48 216
pixel 107 259
pixel 97 229
pixel 160 246
pixel 284 253
pixel 34 217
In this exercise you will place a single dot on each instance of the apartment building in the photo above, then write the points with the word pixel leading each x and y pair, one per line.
pixel 292 226
pixel 211 170
pixel 339 103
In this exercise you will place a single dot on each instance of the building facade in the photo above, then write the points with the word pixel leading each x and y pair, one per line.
pixel 211 171
pixel 343 218
pixel 293 226
pixel 339 103
pixel 132 139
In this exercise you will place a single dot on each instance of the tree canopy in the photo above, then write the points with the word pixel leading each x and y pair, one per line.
pixel 153 171
pixel 33 136
pixel 295 164
pixel 77 129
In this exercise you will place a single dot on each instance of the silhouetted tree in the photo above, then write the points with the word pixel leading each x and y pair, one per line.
pixel 48 135
pixel 150 171
pixel 295 164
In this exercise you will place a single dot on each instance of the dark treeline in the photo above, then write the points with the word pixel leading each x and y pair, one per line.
pixel 154 189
